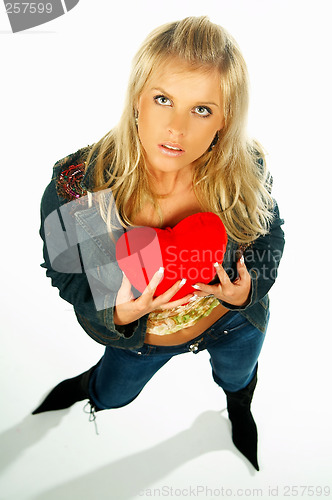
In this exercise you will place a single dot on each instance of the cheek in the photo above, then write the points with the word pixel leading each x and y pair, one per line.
pixel 204 138
pixel 148 121
pixel 145 129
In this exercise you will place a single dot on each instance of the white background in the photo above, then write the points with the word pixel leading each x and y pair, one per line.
pixel 62 88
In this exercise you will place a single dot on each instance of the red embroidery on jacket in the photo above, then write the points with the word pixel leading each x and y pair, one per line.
pixel 69 182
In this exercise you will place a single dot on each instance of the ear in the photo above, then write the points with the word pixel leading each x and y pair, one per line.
pixel 222 125
pixel 137 105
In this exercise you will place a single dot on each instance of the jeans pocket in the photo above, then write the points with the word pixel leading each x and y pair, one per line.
pixel 232 325
pixel 145 350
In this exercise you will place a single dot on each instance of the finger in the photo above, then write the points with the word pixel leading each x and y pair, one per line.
pixel 176 303
pixel 125 293
pixel 156 279
pixel 166 296
pixel 202 290
pixel 242 270
pixel 125 282
pixel 222 275
pixel 211 289
pixel 199 293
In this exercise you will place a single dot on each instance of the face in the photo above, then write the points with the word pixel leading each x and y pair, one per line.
pixel 180 111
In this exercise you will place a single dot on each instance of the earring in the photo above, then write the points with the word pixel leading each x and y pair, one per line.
pixel 214 142
pixel 136 118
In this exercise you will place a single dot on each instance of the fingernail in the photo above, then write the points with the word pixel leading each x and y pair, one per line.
pixel 196 287
pixel 242 260
pixel 194 297
pixel 182 282
pixel 161 270
pixel 216 264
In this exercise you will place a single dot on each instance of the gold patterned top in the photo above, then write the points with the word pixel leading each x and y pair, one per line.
pixel 165 322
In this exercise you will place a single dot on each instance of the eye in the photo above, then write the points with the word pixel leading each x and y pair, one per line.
pixel 162 100
pixel 203 111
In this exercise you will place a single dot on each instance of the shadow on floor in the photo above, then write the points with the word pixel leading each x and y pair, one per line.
pixel 27 433
pixel 131 475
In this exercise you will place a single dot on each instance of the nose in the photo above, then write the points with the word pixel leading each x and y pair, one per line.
pixel 177 124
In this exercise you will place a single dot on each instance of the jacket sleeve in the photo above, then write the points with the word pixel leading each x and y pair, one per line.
pixel 262 259
pixel 74 286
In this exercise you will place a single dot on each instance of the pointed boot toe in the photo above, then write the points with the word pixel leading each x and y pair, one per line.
pixel 66 393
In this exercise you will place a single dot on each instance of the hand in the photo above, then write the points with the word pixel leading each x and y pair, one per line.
pixel 236 293
pixel 128 309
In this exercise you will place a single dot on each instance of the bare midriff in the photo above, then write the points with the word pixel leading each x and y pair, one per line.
pixel 186 334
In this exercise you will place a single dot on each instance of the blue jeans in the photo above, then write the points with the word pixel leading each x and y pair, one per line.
pixel 233 343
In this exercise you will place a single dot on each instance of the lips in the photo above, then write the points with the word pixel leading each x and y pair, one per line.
pixel 171 149
pixel 172 146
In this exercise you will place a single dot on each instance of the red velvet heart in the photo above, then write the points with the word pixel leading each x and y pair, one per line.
pixel 188 250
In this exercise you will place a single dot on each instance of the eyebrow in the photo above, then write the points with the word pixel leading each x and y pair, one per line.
pixel 159 89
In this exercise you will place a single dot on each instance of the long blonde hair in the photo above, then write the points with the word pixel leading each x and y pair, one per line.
pixel 236 183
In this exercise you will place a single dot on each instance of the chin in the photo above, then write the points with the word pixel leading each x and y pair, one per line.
pixel 168 165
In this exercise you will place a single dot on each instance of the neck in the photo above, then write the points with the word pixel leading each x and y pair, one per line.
pixel 169 183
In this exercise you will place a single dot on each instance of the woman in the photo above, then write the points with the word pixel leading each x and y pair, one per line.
pixel 179 151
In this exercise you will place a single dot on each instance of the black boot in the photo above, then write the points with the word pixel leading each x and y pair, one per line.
pixel 244 430
pixel 67 393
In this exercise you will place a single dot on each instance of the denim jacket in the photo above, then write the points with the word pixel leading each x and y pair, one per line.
pixel 100 269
